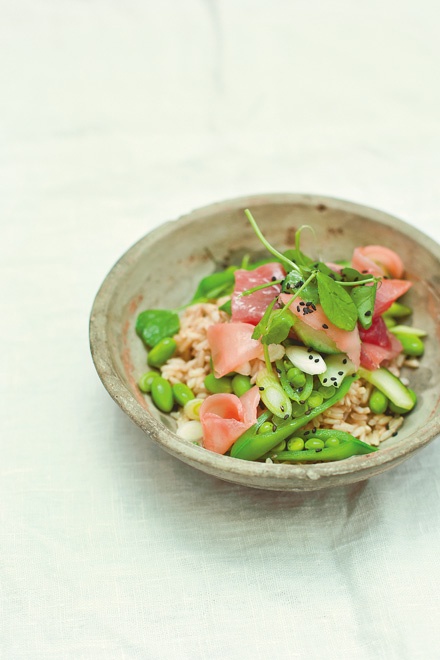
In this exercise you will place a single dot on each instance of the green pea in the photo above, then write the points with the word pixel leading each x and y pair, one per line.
pixel 412 345
pixel 162 352
pixel 280 446
pixel 182 393
pixel 146 380
pixel 315 399
pixel 266 427
pixel 295 444
pixel 401 411
pixel 327 392
pixel 314 443
pixel 162 394
pixel 241 384
pixel 296 377
pixel 218 385
pixel 378 402
pixel 332 442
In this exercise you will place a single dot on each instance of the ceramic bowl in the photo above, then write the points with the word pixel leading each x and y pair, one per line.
pixel 162 270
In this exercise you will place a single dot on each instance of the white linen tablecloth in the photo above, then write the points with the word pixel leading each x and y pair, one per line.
pixel 114 117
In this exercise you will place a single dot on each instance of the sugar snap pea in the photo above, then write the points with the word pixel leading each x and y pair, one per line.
pixel 325 445
pixel 250 446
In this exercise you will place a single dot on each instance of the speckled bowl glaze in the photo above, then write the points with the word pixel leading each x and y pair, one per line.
pixel 151 275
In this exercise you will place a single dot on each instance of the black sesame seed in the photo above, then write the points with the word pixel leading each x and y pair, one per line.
pixel 302 303
pixel 314 307
pixel 344 361
pixel 316 359
pixel 299 389
pixel 306 432
pixel 318 450
pixel 278 370
pixel 310 350
pixel 308 304
pixel 261 389
pixel 364 272
pixel 325 326
pixel 308 411
pixel 325 380
pixel 333 378
pixel 286 416
pixel 340 373
pixel 298 308
pixel 288 285
pixel 368 313
pixel 282 408
pixel 302 402
pixel 310 357
pixel 273 278
pixel 332 276
pixel 313 430
pixel 394 434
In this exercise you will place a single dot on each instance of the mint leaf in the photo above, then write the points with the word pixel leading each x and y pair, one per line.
pixel 364 298
pixel 152 325
pixel 336 303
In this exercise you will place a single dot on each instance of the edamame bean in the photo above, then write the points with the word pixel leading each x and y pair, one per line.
pixel 182 393
pixel 315 399
pixel 378 402
pixel 332 442
pixel 412 345
pixel 402 411
pixel 296 377
pixel 162 394
pixel 295 444
pixel 146 380
pixel 241 384
pixel 314 443
pixel 218 385
pixel 162 352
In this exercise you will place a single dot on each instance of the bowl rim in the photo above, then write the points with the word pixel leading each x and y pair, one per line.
pixel 196 455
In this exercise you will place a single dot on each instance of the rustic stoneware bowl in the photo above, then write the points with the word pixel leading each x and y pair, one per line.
pixel 151 275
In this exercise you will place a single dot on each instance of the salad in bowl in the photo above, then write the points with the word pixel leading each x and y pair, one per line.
pixel 287 359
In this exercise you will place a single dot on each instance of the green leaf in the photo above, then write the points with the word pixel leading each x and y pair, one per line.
pixel 292 283
pixel 261 327
pixel 215 285
pixel 278 327
pixel 352 275
pixel 226 307
pixel 364 298
pixel 323 268
pixel 336 303
pixel 152 325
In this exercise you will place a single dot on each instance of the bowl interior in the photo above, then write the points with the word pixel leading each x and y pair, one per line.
pixel 163 269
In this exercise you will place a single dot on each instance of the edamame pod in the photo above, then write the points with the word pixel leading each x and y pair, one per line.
pixel 162 352
pixel 162 394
